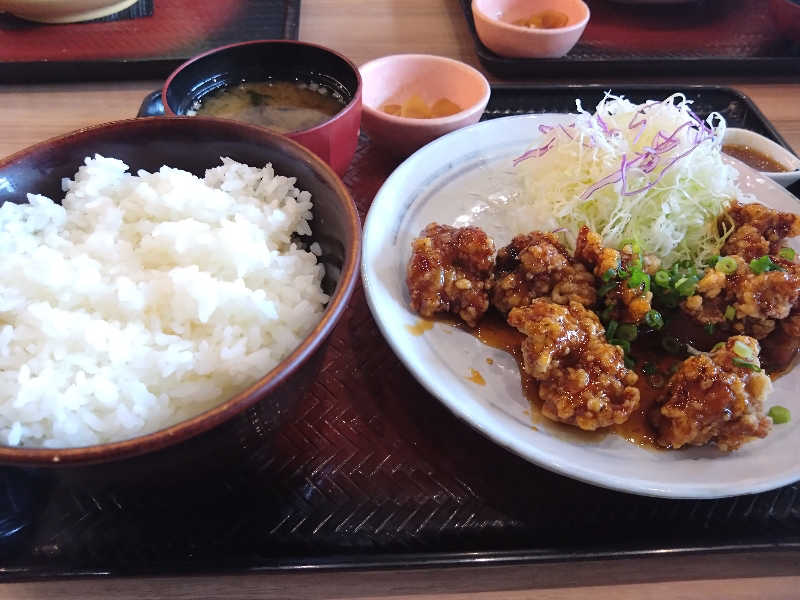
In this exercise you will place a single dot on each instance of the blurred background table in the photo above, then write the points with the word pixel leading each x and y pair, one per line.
pixel 365 30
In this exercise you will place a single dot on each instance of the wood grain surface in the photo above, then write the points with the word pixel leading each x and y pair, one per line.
pixel 362 30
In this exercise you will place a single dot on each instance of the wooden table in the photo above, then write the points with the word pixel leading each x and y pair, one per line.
pixel 364 30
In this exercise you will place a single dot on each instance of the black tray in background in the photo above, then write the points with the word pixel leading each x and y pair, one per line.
pixel 754 51
pixel 368 471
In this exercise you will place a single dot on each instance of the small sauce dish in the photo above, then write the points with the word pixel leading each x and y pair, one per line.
pixel 760 153
pixel 393 81
pixel 530 28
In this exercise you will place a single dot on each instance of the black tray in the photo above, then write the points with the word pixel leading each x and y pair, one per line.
pixel 722 37
pixel 147 41
pixel 367 470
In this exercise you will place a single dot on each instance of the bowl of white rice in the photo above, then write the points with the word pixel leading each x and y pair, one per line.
pixel 158 277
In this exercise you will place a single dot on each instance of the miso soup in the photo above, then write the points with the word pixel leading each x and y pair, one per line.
pixel 279 105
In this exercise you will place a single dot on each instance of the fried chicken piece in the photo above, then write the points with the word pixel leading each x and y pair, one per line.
pixel 450 270
pixel 715 399
pixel 631 304
pixel 582 379
pixel 759 230
pixel 759 300
pixel 536 265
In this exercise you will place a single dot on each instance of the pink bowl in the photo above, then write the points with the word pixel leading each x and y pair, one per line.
pixel 493 20
pixel 392 79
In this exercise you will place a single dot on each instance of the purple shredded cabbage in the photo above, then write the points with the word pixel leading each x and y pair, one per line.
pixel 535 152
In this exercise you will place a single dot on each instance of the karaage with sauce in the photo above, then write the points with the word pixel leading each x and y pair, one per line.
pixel 745 301
pixel 585 381
pixel 582 379
pixel 628 303
pixel 758 230
pixel 536 265
pixel 715 398
pixel 451 271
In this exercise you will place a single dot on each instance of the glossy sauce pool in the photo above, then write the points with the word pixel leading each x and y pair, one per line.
pixel 753 158
pixel 495 332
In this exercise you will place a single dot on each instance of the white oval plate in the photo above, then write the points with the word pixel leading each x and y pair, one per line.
pixel 462 179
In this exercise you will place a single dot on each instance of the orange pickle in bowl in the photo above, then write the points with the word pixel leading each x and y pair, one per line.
pixel 546 19
pixel 416 108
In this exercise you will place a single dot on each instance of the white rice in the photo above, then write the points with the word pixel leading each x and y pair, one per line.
pixel 144 300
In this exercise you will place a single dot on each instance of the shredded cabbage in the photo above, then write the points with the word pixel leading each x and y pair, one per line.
pixel 652 173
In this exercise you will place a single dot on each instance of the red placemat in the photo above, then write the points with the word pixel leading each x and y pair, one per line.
pixel 145 46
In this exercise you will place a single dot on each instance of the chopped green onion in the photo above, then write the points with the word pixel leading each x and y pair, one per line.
pixel 606 314
pixel 709 327
pixel 763 264
pixel 685 264
pixel 649 368
pixel 687 286
pixel 779 415
pixel 787 253
pixel 654 319
pixel 717 346
pixel 627 332
pixel 623 273
pixel 629 362
pixel 608 275
pixel 639 277
pixel 743 350
pixel 636 279
pixel 739 362
pixel 632 243
pixel 605 288
pixel 726 264
pixel 730 312
pixel 680 282
pixel 711 262
pixel 671 345
pixel 624 344
pixel 662 278
pixel 611 329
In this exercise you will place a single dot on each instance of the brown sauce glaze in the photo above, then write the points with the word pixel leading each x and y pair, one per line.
pixel 753 158
pixel 420 327
pixel 476 378
pixel 493 331
pixel 650 356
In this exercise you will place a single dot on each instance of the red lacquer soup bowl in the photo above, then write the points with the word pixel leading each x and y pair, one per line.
pixel 333 140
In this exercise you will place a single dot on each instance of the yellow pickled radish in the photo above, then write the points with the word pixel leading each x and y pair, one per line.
pixel 416 108
pixel 547 19
pixel 444 107
pixel 392 109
